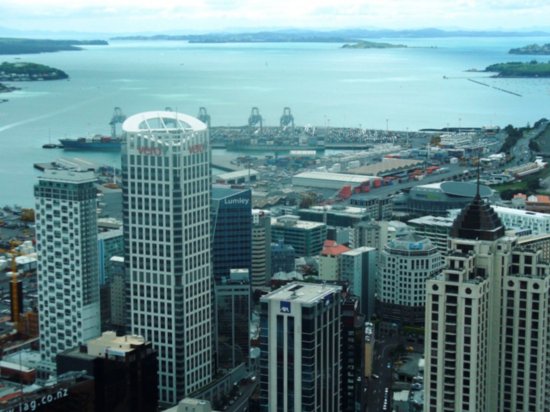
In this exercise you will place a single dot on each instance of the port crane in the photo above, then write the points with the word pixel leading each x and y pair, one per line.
pixel 255 119
pixel 203 116
pixel 118 118
pixel 287 119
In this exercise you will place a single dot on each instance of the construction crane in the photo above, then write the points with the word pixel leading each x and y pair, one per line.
pixel 118 118
pixel 203 116
pixel 15 293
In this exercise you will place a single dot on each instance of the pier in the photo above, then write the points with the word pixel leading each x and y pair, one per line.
pixel 494 87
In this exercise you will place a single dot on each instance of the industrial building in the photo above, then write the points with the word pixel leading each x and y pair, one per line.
pixel 389 167
pixel 327 180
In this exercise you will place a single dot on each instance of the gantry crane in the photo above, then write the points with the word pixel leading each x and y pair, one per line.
pixel 118 118
pixel 203 116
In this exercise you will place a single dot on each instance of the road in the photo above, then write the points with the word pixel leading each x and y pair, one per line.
pixel 377 387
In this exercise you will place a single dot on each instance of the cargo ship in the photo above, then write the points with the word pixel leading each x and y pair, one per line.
pixel 97 142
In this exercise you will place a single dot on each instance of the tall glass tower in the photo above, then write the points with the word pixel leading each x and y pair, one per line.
pixel 166 204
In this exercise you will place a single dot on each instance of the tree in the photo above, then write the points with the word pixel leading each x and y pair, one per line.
pixel 27 215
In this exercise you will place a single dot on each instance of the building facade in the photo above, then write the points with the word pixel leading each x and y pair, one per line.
pixel 305 237
pixel 261 248
pixel 66 239
pixel 487 314
pixel 405 265
pixel 231 230
pixel 166 202
pixel 359 269
pixel 233 309
pixel 282 258
pixel 300 361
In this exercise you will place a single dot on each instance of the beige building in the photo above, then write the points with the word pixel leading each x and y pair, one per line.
pixel 487 321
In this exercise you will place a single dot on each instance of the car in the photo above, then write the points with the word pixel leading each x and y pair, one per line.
pixel 388 365
pixel 375 376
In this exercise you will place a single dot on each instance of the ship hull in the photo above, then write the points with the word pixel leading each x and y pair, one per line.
pixel 110 146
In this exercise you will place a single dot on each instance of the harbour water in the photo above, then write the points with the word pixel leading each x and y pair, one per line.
pixel 422 86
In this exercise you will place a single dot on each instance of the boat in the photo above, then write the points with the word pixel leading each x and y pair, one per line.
pixel 97 142
pixel 51 146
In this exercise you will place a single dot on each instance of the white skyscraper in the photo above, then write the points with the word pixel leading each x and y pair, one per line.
pixel 66 239
pixel 166 203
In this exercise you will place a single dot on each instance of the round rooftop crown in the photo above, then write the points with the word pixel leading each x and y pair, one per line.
pixel 161 121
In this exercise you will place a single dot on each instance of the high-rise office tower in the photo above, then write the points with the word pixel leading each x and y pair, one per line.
pixel 487 321
pixel 261 247
pixel 300 361
pixel 359 268
pixel 166 202
pixel 68 284
pixel 231 230
pixel 233 308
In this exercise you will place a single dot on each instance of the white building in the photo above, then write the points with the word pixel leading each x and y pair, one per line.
pixel 166 203
pixel 66 239
pixel 359 268
pixel 487 317
pixel 300 364
pixel 261 247
pixel 404 266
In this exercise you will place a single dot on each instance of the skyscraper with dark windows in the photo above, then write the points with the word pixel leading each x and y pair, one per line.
pixel 231 230
pixel 166 203
pixel 300 341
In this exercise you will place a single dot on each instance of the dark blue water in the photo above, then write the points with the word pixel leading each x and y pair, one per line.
pixel 322 83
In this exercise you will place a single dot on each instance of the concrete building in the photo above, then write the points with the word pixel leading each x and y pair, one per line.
pixel 300 364
pixel 119 297
pixel 233 309
pixel 166 202
pixel 405 265
pixel 359 268
pixel 261 248
pixel 109 243
pixel 124 369
pixel 377 207
pixel 354 396
pixel 231 230
pixel 305 237
pixel 282 258
pixel 377 234
pixel 487 314
pixel 327 180
pixel 329 260
pixel 66 238
pixel 538 223
pixel 335 215
pixel 435 228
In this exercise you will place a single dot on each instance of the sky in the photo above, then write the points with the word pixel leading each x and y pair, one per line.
pixel 201 16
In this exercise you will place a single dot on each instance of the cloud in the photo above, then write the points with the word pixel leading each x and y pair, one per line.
pixel 211 15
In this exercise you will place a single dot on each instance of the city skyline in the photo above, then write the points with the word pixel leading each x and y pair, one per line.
pixel 141 16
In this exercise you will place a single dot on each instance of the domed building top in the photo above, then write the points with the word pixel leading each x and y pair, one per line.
pixel 477 221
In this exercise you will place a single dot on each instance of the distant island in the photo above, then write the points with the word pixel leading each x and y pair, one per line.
pixel 520 69
pixel 23 71
pixel 31 46
pixel 363 44
pixel 534 49
pixel 316 36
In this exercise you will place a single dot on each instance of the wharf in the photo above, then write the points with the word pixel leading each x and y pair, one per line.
pixel 225 165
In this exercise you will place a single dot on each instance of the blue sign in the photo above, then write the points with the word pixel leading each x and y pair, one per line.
pixel 285 307
pixel 415 246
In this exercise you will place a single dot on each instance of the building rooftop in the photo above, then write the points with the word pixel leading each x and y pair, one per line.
pixel 304 293
pixel 478 220
pixel 331 248
pixel 238 173
pixel 294 221
pixel 387 165
pixel 222 191
pixel 339 177
pixel 521 212
pixel 67 176
pixel 112 344
pixel 433 221
pixel 161 121
pixel 359 250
